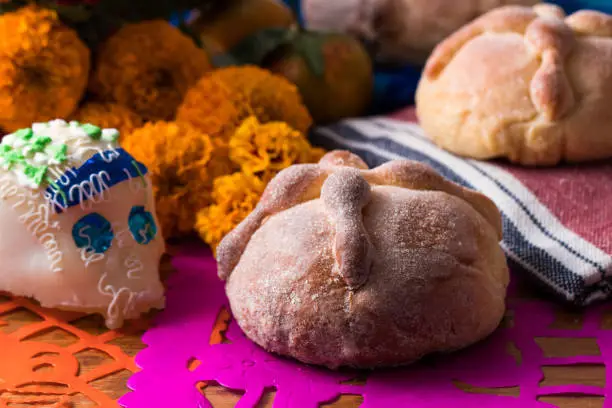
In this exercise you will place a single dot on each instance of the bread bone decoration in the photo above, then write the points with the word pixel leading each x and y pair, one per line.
pixel 78 222
pixel 339 265
pixel 527 84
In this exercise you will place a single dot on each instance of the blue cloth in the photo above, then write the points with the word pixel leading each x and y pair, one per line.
pixel 179 18
pixel 394 88
pixel 571 6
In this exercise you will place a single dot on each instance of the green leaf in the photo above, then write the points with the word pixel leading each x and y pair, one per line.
pixel 310 47
pixel 255 48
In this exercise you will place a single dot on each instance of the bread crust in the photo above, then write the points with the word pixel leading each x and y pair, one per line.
pixel 398 31
pixel 527 84
pixel 344 266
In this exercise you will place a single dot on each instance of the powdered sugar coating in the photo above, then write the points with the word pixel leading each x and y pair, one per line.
pixel 290 187
pixel 345 193
pixel 524 83
pixel 366 267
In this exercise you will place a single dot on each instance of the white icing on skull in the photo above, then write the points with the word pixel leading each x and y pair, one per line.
pixel 78 229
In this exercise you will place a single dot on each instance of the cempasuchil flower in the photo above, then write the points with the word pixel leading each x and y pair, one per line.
pixel 267 148
pixel 148 67
pixel 44 68
pixel 234 197
pixel 232 94
pixel 183 163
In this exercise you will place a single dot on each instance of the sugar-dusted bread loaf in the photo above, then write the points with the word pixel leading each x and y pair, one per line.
pixel 399 31
pixel 78 229
pixel 527 84
pixel 343 266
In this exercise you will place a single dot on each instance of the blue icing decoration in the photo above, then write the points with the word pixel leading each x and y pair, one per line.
pixel 142 225
pixel 117 165
pixel 94 232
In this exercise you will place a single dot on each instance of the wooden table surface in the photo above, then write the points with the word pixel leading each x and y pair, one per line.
pixel 115 385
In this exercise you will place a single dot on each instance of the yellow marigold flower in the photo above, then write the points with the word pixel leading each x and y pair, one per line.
pixel 183 162
pixel 268 148
pixel 209 107
pixel 234 93
pixel 148 67
pixel 44 68
pixel 234 197
pixel 109 115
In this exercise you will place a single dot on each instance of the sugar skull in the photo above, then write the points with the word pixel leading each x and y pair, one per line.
pixel 77 221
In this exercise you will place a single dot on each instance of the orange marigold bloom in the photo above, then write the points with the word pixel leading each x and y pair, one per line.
pixel 265 149
pixel 109 116
pixel 148 67
pixel 44 68
pixel 209 107
pixel 234 197
pixel 234 93
pixel 183 162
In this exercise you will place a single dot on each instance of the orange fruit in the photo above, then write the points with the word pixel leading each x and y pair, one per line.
pixel 332 71
pixel 239 21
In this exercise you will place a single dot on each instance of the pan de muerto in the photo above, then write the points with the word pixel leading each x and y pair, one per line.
pixel 339 265
pixel 527 84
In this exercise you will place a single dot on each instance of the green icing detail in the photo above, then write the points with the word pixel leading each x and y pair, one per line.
pixel 31 152
pixel 35 173
pixel 25 134
pixel 39 144
pixel 13 157
pixel 57 189
pixel 58 152
pixel 92 131
pixel 144 182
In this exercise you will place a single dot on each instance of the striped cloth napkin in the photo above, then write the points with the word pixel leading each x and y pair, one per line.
pixel 557 221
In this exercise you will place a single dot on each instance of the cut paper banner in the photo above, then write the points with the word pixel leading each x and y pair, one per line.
pixel 180 358
pixel 55 359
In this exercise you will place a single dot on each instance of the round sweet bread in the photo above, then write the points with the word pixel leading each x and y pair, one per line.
pixel 527 84
pixel 398 31
pixel 340 265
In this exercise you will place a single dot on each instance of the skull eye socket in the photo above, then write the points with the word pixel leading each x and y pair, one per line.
pixel 93 232
pixel 142 225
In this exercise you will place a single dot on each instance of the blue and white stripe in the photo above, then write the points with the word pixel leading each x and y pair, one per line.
pixel 534 238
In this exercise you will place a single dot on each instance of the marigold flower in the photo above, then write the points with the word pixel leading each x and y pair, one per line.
pixel 44 68
pixel 234 197
pixel 234 93
pixel 183 162
pixel 148 67
pixel 265 149
pixel 109 116
pixel 261 151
